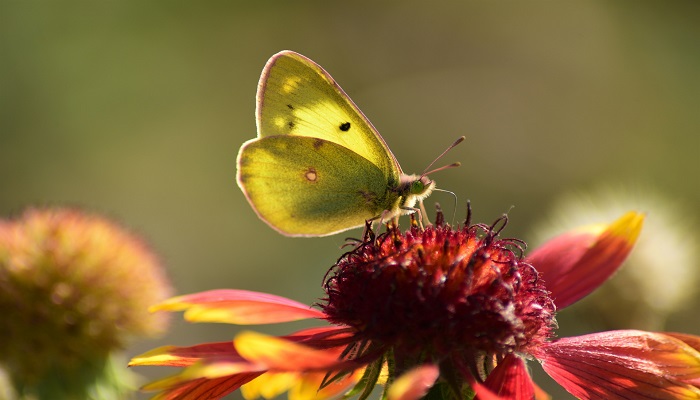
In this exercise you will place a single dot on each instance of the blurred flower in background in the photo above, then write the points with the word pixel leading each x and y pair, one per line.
pixel 451 313
pixel 662 273
pixel 74 288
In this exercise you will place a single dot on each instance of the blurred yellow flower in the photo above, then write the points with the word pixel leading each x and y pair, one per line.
pixel 74 287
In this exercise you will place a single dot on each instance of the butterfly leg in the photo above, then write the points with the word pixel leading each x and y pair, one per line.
pixel 414 210
pixel 424 213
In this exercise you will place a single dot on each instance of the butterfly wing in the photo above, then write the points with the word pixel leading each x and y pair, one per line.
pixel 304 186
pixel 297 97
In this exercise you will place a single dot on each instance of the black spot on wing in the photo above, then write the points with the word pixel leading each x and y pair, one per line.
pixel 291 125
pixel 291 107
pixel 345 126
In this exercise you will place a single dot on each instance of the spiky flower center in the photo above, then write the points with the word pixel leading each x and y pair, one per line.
pixel 441 293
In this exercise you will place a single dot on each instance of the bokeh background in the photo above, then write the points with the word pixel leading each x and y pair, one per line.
pixel 137 110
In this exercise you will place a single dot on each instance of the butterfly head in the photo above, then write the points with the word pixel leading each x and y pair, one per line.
pixel 415 188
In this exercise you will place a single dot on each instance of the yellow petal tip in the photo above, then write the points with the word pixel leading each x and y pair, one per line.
pixel 628 227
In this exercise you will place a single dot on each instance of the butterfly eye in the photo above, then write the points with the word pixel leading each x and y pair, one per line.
pixel 417 187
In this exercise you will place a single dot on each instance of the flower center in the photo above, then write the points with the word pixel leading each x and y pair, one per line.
pixel 441 292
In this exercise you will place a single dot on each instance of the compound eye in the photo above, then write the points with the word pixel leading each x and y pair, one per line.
pixel 417 187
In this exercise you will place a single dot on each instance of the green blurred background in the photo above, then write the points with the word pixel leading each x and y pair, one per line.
pixel 137 110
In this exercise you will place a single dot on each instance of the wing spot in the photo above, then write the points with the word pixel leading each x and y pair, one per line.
pixel 291 125
pixel 279 122
pixel 311 174
pixel 318 143
pixel 290 84
pixel 291 107
pixel 345 126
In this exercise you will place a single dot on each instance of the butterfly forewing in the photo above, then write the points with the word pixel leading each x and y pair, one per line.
pixel 297 97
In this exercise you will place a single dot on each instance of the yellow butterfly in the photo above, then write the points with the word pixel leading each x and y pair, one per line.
pixel 318 166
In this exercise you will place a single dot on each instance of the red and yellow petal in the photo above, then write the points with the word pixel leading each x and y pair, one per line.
pixel 280 354
pixel 691 340
pixel 203 389
pixel 214 369
pixel 414 384
pixel 307 387
pixel 623 365
pixel 241 307
pixel 269 385
pixel 210 379
pixel 576 263
pixel 185 356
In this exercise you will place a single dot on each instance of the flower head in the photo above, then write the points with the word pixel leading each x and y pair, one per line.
pixel 454 311
pixel 444 295
pixel 73 288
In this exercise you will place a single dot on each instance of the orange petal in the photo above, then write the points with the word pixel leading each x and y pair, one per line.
pixel 307 387
pixel 482 392
pixel 184 356
pixel 204 389
pixel 241 307
pixel 269 385
pixel 576 263
pixel 284 355
pixel 691 340
pixel 205 380
pixel 414 384
pixel 623 365
pixel 540 394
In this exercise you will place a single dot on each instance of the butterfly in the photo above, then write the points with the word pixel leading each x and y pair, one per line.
pixel 318 166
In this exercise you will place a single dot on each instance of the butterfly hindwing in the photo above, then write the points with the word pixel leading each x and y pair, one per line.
pixel 304 186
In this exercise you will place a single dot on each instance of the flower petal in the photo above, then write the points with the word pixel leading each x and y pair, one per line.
pixel 576 263
pixel 240 307
pixel 510 380
pixel 210 379
pixel 481 391
pixel 307 387
pixel 202 389
pixel 284 355
pixel 691 340
pixel 184 356
pixel 269 385
pixel 623 365
pixel 414 384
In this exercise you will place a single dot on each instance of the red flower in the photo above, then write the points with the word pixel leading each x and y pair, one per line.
pixel 456 312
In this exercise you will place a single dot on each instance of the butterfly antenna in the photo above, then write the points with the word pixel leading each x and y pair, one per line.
pixel 457 164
